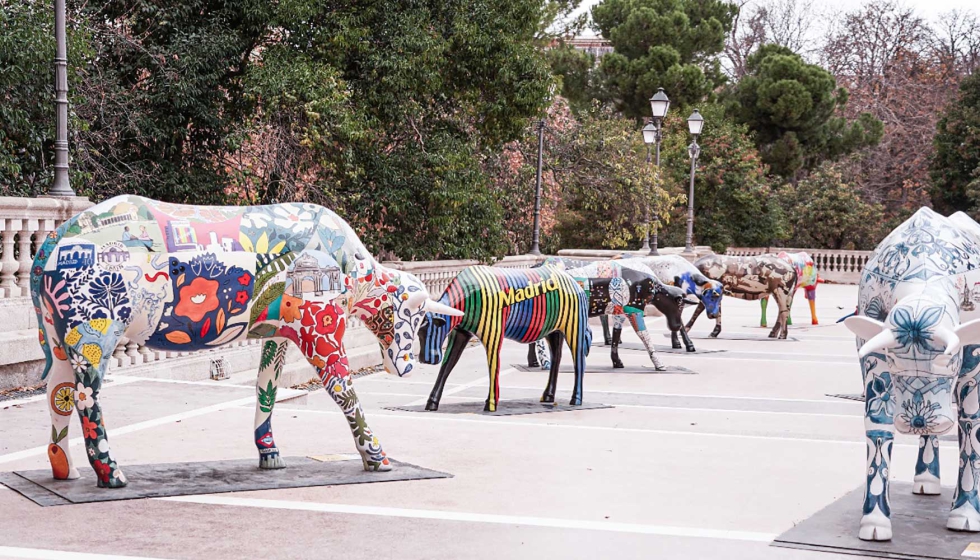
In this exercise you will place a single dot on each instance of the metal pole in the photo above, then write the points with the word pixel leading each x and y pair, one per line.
pixel 694 151
pixel 536 236
pixel 646 217
pixel 656 218
pixel 61 186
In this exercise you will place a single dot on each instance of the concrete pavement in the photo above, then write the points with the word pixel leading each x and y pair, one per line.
pixel 712 465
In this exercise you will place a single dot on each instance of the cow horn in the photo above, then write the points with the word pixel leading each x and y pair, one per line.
pixel 433 306
pixel 691 301
pixel 881 341
pixel 950 338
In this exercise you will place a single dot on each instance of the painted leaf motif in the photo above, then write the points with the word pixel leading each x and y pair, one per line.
pixel 262 245
pixel 267 398
pixel 268 354
pixel 219 324
pixel 180 279
pixel 231 332
pixel 246 242
pixel 274 291
pixel 178 337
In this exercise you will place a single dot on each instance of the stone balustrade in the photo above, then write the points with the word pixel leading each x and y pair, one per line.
pixel 837 266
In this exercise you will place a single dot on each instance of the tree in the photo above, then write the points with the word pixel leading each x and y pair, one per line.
pixel 955 166
pixel 661 43
pixel 790 106
pixel 734 204
pixel 786 23
pixel 826 211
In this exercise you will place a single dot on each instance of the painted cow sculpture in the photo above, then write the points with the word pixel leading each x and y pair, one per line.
pixel 184 278
pixel 806 278
pixel 677 271
pixel 918 334
pixel 622 293
pixel 525 305
pixel 751 278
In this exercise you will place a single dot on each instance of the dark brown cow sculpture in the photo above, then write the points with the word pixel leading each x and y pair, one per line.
pixel 751 278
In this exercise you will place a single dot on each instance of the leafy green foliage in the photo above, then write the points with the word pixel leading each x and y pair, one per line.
pixel 661 43
pixel 955 166
pixel 790 106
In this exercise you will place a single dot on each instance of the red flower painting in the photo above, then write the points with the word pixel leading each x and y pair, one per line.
pixel 102 470
pixel 197 299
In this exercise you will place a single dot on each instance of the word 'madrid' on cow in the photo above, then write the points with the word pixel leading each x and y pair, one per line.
pixel 185 278
pixel 525 305
pixel 806 278
pixel 623 292
pixel 751 278
pixel 918 335
pixel 677 271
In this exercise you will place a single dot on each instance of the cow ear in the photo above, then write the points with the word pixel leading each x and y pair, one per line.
pixel 864 327
pixel 677 281
pixel 968 332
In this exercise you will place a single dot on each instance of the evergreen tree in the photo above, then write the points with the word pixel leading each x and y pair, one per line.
pixel 956 165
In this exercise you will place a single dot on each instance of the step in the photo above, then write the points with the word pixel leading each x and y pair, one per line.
pixel 17 314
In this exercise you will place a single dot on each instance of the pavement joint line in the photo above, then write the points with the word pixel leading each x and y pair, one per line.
pixel 693 409
pixel 472 517
pixel 46 554
pixel 523 424
pixel 478 381
pixel 684 395
pixel 43 396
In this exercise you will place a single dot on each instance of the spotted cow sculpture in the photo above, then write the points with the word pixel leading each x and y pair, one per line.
pixel 806 274
pixel 184 278
pixel 622 292
pixel 918 333
pixel 525 305
pixel 750 278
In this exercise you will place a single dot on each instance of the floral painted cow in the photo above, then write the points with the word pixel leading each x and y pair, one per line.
pixel 185 278
pixel 918 334
pixel 751 278
pixel 525 305
pixel 622 292
pixel 806 274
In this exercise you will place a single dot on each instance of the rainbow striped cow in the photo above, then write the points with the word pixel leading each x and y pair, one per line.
pixel 520 304
pixel 806 274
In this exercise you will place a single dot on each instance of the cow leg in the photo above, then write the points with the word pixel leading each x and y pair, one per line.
pixel 532 355
pixel 789 309
pixel 266 385
pixel 717 330
pixel 544 354
pixel 617 339
pixel 926 480
pixel 783 299
pixel 879 424
pixel 88 347
pixel 606 339
pixel 554 345
pixel 811 297
pixel 341 389
pixel 579 347
pixel 764 302
pixel 965 512
pixel 458 339
pixel 640 326
pixel 493 364
pixel 61 403
pixel 694 317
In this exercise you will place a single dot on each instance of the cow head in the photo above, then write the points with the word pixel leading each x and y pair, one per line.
pixel 432 335
pixel 710 292
pixel 399 314
pixel 922 341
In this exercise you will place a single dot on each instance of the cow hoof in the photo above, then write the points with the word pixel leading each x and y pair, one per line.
pixel 546 366
pixel 607 341
pixel 383 465
pixel 763 326
pixel 660 367
pixel 926 484
pixel 676 346
pixel 72 474
pixel 547 398
pixel 691 349
pixel 964 518
pixel 272 462
pixel 533 363
pixel 116 481
pixel 432 406
pixel 875 527
pixel 814 322
pixel 575 402
pixel 618 364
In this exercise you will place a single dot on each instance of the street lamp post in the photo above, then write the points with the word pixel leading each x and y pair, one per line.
pixel 61 186
pixel 652 134
pixel 536 235
pixel 694 123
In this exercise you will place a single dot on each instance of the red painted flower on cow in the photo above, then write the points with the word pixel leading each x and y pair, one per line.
pixel 102 470
pixel 89 429
pixel 197 299
pixel 241 297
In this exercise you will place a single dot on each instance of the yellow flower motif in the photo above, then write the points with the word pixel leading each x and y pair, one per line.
pixel 92 353
pixel 101 325
pixel 374 440
pixel 73 337
pixel 337 388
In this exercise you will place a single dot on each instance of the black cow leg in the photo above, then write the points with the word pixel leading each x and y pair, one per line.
pixel 605 330
pixel 674 342
pixel 688 345
pixel 554 344
pixel 532 356
pixel 456 346
pixel 617 338
pixel 694 317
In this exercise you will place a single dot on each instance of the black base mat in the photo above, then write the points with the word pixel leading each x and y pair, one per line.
pixel 918 528
pixel 209 477
pixel 736 336
pixel 657 347
pixel 610 369
pixel 504 408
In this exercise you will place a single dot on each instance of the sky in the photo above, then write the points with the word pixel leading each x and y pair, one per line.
pixel 928 9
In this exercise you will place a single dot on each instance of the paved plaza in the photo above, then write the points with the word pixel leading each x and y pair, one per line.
pixel 713 465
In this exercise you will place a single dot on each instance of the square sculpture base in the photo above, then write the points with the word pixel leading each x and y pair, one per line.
pixel 590 368
pixel 504 408
pixel 918 528
pixel 209 477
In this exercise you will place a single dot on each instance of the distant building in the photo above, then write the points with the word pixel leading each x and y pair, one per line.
pixel 596 46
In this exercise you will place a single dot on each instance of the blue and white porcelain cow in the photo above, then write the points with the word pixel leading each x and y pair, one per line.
pixel 918 334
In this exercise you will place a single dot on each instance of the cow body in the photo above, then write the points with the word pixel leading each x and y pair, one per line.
pixel 751 278
pixel 525 305
pixel 185 278
pixel 918 334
